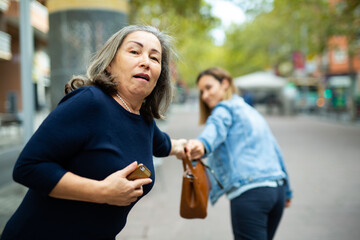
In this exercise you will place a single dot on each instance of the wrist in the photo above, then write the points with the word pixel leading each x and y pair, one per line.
pixel 177 145
pixel 100 191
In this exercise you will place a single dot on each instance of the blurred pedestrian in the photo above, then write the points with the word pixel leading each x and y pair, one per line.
pixel 244 155
pixel 248 98
pixel 76 163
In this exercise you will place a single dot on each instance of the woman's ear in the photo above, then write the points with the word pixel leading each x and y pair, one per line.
pixel 108 69
pixel 225 83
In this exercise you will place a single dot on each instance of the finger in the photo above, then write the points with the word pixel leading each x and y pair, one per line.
pixel 198 147
pixel 194 152
pixel 134 199
pixel 189 144
pixel 129 201
pixel 140 182
pixel 188 154
pixel 196 156
pixel 139 188
pixel 138 192
pixel 128 169
pixel 183 154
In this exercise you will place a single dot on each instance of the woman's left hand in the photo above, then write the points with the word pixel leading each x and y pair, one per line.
pixel 178 148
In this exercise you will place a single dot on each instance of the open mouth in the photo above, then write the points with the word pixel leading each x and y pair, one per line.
pixel 143 76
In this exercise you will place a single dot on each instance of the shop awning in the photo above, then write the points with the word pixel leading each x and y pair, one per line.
pixel 260 80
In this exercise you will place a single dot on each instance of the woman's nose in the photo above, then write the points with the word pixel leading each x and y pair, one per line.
pixel 144 62
pixel 204 95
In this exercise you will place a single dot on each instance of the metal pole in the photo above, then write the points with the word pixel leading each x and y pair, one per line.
pixel 26 54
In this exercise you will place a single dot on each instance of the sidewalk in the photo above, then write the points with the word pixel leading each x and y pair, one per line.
pixel 11 193
pixel 10 137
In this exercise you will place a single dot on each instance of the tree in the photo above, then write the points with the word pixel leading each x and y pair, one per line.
pixel 347 14
pixel 189 22
pixel 273 35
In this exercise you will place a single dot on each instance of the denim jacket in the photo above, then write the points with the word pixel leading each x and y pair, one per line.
pixel 240 148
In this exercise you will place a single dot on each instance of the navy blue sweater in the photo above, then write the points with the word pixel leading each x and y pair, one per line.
pixel 91 135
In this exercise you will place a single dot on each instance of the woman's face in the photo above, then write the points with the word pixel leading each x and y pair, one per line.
pixel 137 64
pixel 211 90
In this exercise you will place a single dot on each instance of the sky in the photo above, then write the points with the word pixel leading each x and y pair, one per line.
pixel 228 13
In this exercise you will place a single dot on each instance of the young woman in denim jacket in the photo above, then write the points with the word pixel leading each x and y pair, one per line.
pixel 244 155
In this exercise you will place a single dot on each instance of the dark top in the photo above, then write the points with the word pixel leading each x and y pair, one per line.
pixel 91 135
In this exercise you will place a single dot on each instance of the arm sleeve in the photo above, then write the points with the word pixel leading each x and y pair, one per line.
pixel 161 143
pixel 216 129
pixel 42 162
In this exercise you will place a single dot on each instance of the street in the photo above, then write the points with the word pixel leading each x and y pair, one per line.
pixel 323 162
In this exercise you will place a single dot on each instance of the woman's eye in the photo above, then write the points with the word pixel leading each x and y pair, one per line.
pixel 155 59
pixel 133 52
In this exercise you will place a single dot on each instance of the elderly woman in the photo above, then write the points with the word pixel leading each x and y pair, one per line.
pixel 77 162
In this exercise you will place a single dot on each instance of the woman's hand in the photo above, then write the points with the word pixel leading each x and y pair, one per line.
pixel 195 149
pixel 114 189
pixel 119 191
pixel 178 148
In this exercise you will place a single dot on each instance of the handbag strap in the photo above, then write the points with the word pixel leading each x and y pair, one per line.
pixel 213 174
pixel 186 161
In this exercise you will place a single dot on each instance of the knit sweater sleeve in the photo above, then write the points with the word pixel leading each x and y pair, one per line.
pixel 64 133
pixel 161 143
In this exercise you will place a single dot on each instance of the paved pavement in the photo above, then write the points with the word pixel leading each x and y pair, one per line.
pixel 322 157
pixel 10 193
pixel 323 160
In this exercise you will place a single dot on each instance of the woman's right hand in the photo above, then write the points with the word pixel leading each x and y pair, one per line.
pixel 194 149
pixel 119 191
pixel 114 189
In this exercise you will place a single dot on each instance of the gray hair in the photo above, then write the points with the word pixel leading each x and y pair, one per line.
pixel 159 100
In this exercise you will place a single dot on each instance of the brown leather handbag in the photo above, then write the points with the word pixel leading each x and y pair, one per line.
pixel 195 190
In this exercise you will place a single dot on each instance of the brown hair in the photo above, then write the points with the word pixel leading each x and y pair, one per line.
pixel 219 74
pixel 158 101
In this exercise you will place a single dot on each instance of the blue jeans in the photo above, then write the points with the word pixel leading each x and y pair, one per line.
pixel 256 213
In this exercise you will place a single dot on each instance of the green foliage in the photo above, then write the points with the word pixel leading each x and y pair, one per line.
pixel 189 22
pixel 347 15
pixel 273 31
pixel 272 36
